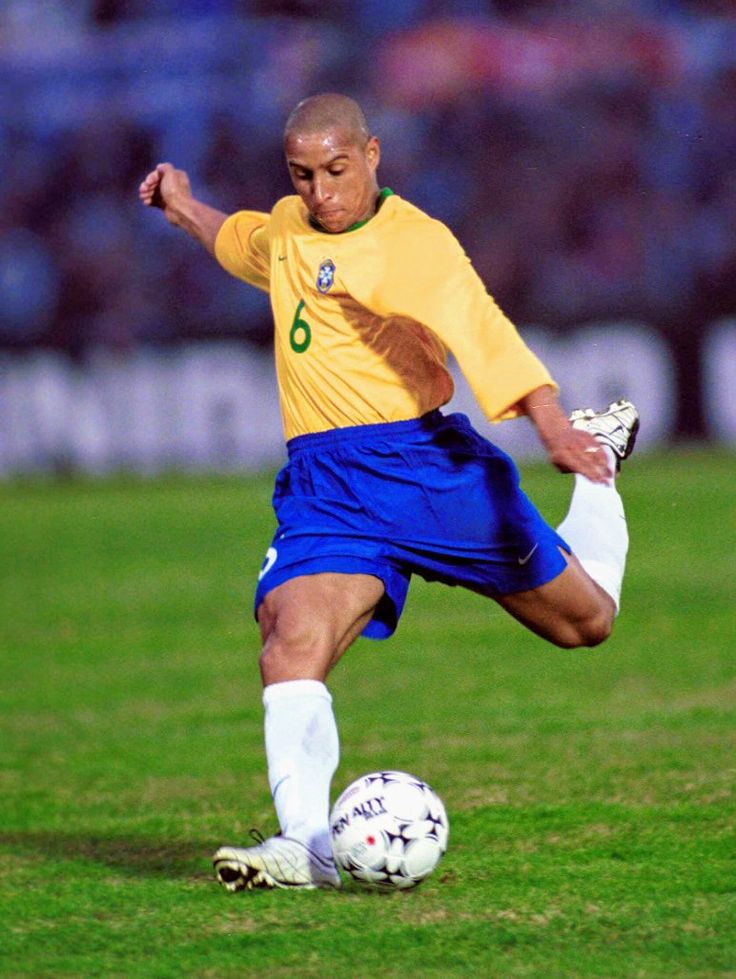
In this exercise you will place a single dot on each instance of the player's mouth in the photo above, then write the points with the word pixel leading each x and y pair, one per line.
pixel 328 218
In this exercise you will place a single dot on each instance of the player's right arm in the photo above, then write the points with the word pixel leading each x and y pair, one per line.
pixel 168 189
pixel 239 242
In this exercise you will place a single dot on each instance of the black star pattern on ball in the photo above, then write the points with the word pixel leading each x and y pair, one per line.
pixel 398 836
pixel 380 777
pixel 394 778
pixel 435 821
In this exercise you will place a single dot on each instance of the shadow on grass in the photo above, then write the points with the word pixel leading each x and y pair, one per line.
pixel 132 855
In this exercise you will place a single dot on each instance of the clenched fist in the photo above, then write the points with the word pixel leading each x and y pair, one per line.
pixel 167 188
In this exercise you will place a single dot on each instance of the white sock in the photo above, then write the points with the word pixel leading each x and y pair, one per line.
pixel 595 528
pixel 302 750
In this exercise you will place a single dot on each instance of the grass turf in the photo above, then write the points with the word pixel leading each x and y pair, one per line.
pixel 590 793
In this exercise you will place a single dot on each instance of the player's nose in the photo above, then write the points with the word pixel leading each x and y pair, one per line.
pixel 319 192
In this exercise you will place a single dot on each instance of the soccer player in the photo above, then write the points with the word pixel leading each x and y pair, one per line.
pixel 368 293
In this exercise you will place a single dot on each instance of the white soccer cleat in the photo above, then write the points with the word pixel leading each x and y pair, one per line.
pixel 276 862
pixel 616 427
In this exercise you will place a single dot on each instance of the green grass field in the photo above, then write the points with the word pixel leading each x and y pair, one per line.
pixel 590 793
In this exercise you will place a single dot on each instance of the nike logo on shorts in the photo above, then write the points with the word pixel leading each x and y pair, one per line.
pixel 524 560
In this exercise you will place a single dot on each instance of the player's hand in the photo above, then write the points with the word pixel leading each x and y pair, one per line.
pixel 164 187
pixel 169 188
pixel 570 449
pixel 574 451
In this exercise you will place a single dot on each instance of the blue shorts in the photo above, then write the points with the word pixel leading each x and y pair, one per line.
pixel 428 496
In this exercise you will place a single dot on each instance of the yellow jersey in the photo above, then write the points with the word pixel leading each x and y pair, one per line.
pixel 364 319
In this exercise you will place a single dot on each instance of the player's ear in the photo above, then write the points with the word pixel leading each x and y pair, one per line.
pixel 373 152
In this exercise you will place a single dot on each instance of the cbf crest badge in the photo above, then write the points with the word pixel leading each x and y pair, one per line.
pixel 326 275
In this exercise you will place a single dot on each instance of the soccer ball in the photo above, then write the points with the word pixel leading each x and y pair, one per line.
pixel 389 830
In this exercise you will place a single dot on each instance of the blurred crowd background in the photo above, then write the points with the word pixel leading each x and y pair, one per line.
pixel 584 153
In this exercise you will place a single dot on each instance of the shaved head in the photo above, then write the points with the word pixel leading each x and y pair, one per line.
pixel 332 159
pixel 330 111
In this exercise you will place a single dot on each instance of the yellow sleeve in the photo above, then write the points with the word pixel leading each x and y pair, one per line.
pixel 242 248
pixel 426 276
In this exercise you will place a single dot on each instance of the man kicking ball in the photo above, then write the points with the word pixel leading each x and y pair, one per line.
pixel 368 295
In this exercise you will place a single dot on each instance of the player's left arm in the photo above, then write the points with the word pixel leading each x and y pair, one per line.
pixel 422 273
pixel 426 276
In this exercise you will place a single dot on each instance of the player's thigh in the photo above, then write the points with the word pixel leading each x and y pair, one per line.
pixel 571 610
pixel 309 621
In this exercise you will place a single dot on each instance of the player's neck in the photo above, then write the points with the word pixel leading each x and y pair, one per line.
pixel 378 199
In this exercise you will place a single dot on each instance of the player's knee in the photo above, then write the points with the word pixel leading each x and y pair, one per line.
pixel 588 632
pixel 279 652
pixel 597 631
pixel 284 657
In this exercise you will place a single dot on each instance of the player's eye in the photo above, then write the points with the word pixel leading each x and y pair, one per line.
pixel 335 172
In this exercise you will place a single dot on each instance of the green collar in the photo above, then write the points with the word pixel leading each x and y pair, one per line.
pixel 385 192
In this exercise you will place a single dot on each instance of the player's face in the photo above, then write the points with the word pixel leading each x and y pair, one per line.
pixel 334 175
